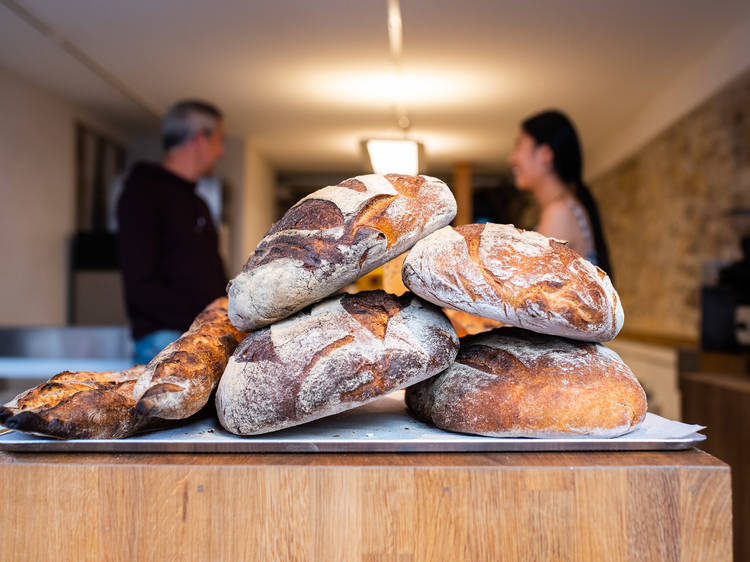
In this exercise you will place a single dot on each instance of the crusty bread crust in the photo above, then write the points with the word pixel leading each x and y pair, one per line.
pixel 517 277
pixel 515 383
pixel 65 384
pixel 80 405
pixel 336 355
pixel 331 238
pixel 179 380
pixel 176 384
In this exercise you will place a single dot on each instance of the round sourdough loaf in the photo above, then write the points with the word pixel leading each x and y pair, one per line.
pixel 515 383
pixel 517 277
pixel 336 355
pixel 331 238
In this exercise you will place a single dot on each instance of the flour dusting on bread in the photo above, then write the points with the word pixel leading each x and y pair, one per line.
pixel 331 238
pixel 515 383
pixel 517 277
pixel 336 355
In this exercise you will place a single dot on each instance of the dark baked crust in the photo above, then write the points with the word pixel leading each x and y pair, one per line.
pixel 318 215
pixel 512 382
pixel 517 277
pixel 89 405
pixel 179 380
pixel 333 356
pixel 90 414
pixel 332 238
pixel 77 405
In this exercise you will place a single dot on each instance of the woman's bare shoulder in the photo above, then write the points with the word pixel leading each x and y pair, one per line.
pixel 558 221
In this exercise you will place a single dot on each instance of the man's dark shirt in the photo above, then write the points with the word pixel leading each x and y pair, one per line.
pixel 168 251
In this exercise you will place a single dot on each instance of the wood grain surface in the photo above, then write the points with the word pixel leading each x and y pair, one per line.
pixel 722 403
pixel 503 506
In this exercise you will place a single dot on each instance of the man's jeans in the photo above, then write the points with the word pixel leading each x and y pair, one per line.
pixel 148 346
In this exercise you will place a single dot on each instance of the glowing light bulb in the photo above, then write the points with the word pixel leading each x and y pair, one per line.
pixel 394 156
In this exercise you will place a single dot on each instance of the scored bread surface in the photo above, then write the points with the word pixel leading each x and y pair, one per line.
pixel 77 405
pixel 331 238
pixel 515 383
pixel 97 405
pixel 336 355
pixel 517 277
pixel 179 381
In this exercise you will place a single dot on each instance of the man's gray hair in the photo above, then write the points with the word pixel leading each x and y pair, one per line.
pixel 185 120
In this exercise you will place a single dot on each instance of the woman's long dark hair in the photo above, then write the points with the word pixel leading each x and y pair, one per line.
pixel 555 130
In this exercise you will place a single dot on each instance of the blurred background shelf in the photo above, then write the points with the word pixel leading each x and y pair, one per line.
pixel 30 355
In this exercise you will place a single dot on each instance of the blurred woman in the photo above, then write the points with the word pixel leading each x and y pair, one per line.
pixel 547 161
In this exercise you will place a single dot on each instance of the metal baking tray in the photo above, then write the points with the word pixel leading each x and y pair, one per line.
pixel 383 426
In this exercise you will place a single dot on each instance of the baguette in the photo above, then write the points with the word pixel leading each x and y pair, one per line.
pixel 80 405
pixel 176 384
pixel 180 379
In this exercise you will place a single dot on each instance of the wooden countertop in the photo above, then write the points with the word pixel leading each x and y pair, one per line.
pixel 691 458
pixel 418 506
pixel 721 401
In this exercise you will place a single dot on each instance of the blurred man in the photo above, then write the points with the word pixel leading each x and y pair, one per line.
pixel 167 241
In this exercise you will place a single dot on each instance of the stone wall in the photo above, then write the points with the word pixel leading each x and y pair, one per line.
pixel 664 209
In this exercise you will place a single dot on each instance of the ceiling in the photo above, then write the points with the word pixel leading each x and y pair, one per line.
pixel 307 80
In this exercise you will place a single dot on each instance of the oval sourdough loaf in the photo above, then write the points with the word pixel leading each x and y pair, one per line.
pixel 515 383
pixel 336 355
pixel 517 277
pixel 331 238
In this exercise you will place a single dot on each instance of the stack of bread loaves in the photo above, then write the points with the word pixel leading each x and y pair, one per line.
pixel 306 358
pixel 309 354
pixel 547 379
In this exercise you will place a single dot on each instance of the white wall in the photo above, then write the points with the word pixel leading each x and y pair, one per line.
pixel 253 211
pixel 729 58
pixel 37 200
pixel 230 170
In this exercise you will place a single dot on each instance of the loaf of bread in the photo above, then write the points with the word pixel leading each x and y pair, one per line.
pixel 517 277
pixel 331 238
pixel 176 384
pixel 179 380
pixel 333 356
pixel 516 383
pixel 78 405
